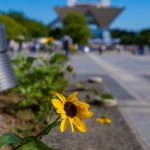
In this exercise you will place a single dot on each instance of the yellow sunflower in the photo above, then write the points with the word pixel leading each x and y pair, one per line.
pixel 72 111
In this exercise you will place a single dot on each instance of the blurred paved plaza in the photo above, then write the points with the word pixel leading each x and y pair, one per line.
pixel 128 78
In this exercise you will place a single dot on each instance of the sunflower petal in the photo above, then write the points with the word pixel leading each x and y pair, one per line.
pixel 101 120
pixel 82 127
pixel 84 105
pixel 64 124
pixel 61 97
pixel 75 100
pixel 81 110
pixel 79 124
pixel 57 103
pixel 76 104
pixel 64 116
pixel 71 123
pixel 60 110
pixel 107 120
pixel 98 119
pixel 86 114
pixel 72 96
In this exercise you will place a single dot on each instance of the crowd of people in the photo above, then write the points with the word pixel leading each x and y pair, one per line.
pixel 133 49
pixel 33 46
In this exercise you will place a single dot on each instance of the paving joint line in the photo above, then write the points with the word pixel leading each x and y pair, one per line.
pixel 112 69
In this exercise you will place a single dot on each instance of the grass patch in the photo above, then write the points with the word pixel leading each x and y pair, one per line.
pixel 107 96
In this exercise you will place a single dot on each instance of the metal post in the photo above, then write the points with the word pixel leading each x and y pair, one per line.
pixel 3 41
pixel 7 78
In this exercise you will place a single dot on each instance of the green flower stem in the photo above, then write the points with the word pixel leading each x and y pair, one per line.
pixel 47 127
pixel 38 135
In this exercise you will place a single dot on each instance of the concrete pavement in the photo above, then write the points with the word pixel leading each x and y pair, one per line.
pixel 128 78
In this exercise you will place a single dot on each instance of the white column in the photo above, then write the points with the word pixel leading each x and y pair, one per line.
pixel 106 37
pixel 71 3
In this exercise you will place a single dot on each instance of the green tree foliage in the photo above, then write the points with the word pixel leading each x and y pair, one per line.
pixel 125 36
pixel 145 35
pixel 13 28
pixel 118 33
pixel 57 33
pixel 75 25
pixel 35 28
pixel 128 37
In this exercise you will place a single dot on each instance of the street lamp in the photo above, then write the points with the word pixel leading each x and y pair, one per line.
pixel 7 78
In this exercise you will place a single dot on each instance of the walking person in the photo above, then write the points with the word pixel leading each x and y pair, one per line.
pixel 66 47
pixel 67 41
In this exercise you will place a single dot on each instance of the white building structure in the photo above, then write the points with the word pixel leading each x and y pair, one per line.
pixel 98 14
pixel 102 3
pixel 71 3
pixel 105 3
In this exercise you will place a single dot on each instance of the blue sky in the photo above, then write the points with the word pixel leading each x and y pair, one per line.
pixel 135 16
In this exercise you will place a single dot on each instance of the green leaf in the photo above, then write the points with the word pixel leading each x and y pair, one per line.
pixel 41 107
pixel 69 68
pixel 23 103
pixel 20 57
pixel 50 127
pixel 29 89
pixel 25 132
pixel 34 101
pixel 94 91
pixel 9 138
pixel 79 85
pixel 23 90
pixel 29 62
pixel 15 62
pixel 35 144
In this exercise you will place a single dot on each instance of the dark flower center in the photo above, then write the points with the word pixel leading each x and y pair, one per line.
pixel 70 109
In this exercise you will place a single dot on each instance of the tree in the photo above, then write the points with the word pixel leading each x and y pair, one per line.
pixel 144 36
pixel 13 28
pixel 57 33
pixel 35 28
pixel 127 37
pixel 75 25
